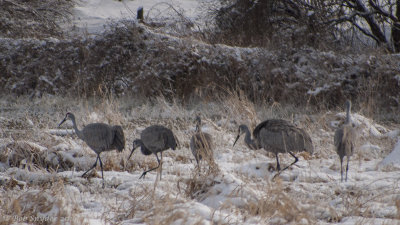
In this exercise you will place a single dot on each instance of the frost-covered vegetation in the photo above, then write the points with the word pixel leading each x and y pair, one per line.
pixel 167 70
pixel 137 59
pixel 41 167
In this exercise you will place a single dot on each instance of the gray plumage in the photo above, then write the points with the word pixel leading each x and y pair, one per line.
pixel 154 139
pixel 277 136
pixel 344 140
pixel 201 144
pixel 99 137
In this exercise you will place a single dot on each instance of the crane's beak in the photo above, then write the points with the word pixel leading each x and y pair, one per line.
pixel 133 149
pixel 65 119
pixel 237 138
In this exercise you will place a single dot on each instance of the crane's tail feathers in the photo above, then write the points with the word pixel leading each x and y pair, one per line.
pixel 174 142
pixel 119 138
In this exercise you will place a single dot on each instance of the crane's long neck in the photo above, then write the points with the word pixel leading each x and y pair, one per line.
pixel 143 148
pixel 77 131
pixel 348 114
pixel 247 139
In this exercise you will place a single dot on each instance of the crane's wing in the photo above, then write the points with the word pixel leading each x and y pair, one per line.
pixel 345 139
pixel 157 138
pixel 202 140
pixel 306 139
pixel 98 136
pixel 282 136
pixel 338 137
pixel 119 138
pixel 171 141
pixel 273 125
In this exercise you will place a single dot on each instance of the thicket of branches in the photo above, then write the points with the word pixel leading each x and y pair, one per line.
pixel 33 18
pixel 318 23
pixel 131 59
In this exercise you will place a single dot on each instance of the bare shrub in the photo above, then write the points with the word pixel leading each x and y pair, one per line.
pixel 123 62
pixel 24 154
pixel 197 185
pixel 272 23
pixel 33 19
pixel 29 155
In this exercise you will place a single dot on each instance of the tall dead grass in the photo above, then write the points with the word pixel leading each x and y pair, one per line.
pixel 39 206
pixel 275 204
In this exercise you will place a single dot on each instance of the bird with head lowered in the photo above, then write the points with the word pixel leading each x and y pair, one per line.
pixel 277 136
pixel 154 139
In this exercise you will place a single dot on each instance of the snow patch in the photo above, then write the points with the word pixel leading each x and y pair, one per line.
pixel 393 158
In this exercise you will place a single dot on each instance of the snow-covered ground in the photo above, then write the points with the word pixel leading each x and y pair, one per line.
pixel 93 15
pixel 45 180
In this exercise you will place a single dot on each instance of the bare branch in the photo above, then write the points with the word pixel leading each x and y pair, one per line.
pixel 365 32
pixel 379 10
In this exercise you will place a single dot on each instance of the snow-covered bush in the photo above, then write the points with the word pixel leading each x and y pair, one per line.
pixel 131 59
pixel 34 18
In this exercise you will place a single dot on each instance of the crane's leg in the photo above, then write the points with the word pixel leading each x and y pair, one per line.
pixel 347 166
pixel 145 172
pixel 278 166
pixel 197 161
pixel 161 166
pixel 95 164
pixel 295 161
pixel 341 169
pixel 101 166
pixel 280 171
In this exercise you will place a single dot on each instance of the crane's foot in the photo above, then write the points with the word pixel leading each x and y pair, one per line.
pixel 276 175
pixel 143 175
pixel 90 174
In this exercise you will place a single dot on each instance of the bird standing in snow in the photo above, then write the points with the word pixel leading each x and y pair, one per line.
pixel 344 140
pixel 277 136
pixel 154 139
pixel 99 137
pixel 202 145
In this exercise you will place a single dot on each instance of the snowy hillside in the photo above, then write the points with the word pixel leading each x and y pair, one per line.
pixel 93 15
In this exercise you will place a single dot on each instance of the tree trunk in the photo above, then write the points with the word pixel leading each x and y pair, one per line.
pixel 373 25
pixel 396 29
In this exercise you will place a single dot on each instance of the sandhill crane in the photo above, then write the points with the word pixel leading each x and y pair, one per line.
pixel 344 140
pixel 201 144
pixel 99 137
pixel 154 139
pixel 277 136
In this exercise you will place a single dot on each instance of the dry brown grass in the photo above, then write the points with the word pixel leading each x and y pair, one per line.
pixel 276 202
pixel 25 155
pixel 276 205
pixel 166 210
pixel 198 184
pixel 39 206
